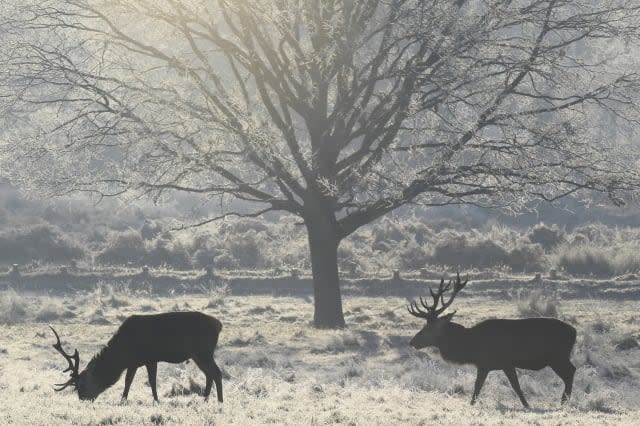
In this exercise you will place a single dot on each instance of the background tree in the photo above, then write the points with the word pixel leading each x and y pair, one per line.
pixel 337 111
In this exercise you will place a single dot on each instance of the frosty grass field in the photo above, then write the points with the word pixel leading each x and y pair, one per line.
pixel 279 370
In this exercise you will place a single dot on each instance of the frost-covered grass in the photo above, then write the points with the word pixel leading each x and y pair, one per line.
pixel 279 370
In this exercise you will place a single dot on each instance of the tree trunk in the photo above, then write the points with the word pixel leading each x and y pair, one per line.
pixel 323 244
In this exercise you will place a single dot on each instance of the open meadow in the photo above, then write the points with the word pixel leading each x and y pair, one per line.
pixel 278 369
pixel 303 171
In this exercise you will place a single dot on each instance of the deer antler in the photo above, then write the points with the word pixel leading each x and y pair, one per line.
pixel 432 311
pixel 73 360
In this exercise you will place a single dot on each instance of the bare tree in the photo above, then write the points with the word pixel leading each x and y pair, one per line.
pixel 337 111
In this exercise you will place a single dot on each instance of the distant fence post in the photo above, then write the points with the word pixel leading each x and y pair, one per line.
pixel 208 271
pixel 14 273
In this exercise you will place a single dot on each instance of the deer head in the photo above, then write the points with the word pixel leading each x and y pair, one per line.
pixel 432 332
pixel 80 381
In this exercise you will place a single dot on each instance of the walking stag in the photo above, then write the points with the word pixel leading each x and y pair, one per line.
pixel 496 344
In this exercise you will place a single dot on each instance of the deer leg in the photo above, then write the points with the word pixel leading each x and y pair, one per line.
pixel 480 378
pixel 566 371
pixel 217 377
pixel 513 379
pixel 152 371
pixel 131 372
pixel 212 373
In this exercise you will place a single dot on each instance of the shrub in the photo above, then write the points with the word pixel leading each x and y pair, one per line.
pixel 448 252
pixel 240 244
pixel 526 258
pixel 204 257
pixel 236 227
pixel 479 254
pixel 547 237
pixel 387 231
pixel 123 247
pixel 626 259
pixel 168 253
pixel 248 248
pixel 538 303
pixel 43 243
pixel 420 232
pixel 216 293
pixel 13 307
pixel 52 311
pixel 584 261
pixel 596 233
pixel 413 256
pixel 482 252
pixel 150 230
pixel 225 260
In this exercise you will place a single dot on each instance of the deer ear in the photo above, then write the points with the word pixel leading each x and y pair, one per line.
pixel 448 317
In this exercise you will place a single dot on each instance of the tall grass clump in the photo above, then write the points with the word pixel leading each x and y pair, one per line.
pixel 584 261
pixel 13 307
pixel 216 292
pixel 597 261
pixel 51 311
pixel 538 303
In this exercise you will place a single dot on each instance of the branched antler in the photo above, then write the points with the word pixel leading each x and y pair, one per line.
pixel 73 360
pixel 432 311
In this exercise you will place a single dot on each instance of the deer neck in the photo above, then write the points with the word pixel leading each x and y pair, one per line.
pixel 453 344
pixel 106 367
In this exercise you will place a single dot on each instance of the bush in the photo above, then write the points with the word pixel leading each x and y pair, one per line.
pixel 478 254
pixel 51 311
pixel 548 238
pixel 526 258
pixel 42 243
pixel 387 232
pixel 538 303
pixel 150 230
pixel 248 249
pixel 585 261
pixel 13 307
pixel 204 257
pixel 413 256
pixel 166 253
pixel 595 233
pixel 123 247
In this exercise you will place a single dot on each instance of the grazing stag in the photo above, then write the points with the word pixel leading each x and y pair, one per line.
pixel 146 340
pixel 496 344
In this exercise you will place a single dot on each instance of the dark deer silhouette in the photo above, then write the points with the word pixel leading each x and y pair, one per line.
pixel 497 344
pixel 146 340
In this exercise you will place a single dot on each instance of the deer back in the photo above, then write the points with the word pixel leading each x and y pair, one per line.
pixel 169 337
pixel 522 343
